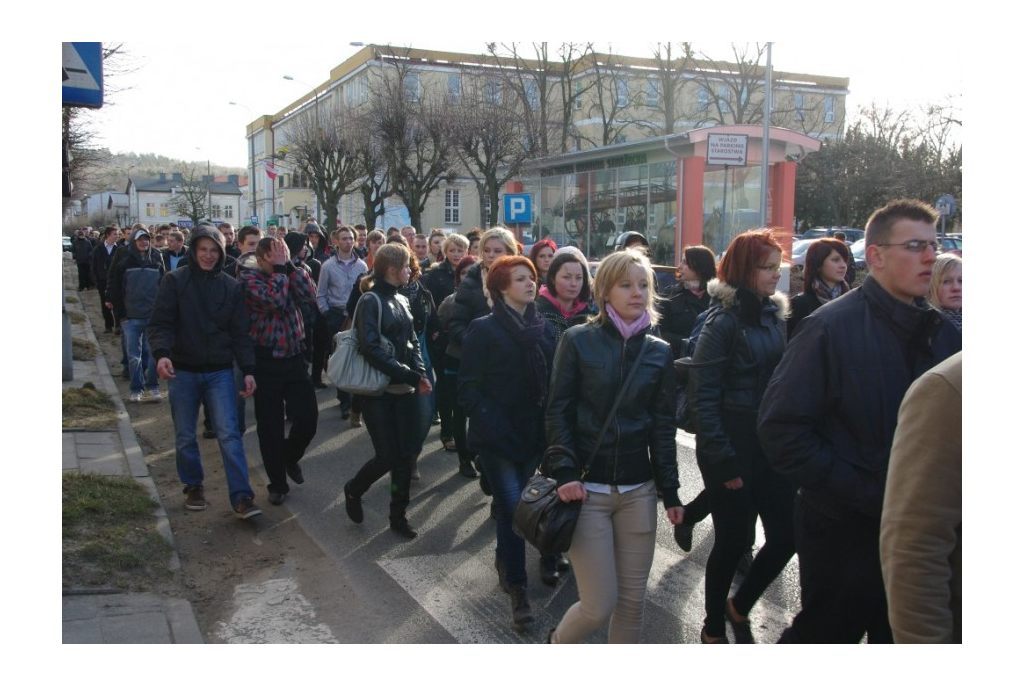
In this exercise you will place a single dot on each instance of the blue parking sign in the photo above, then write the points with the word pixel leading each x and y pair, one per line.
pixel 518 208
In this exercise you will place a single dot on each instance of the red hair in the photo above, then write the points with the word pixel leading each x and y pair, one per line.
pixel 540 245
pixel 745 254
pixel 464 263
pixel 499 276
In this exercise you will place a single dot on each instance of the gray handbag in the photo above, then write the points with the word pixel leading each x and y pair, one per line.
pixel 348 370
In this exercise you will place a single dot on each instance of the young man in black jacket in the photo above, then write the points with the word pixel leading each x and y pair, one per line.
pixel 102 256
pixel 828 418
pixel 199 329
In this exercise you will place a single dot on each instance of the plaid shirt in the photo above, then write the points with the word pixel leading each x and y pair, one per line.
pixel 272 300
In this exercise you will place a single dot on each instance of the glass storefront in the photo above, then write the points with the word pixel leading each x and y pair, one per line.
pixel 590 208
pixel 731 204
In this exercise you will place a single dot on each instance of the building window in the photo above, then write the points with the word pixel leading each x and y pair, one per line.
pixel 455 88
pixel 413 89
pixel 487 211
pixel 703 99
pixel 653 93
pixel 577 144
pixel 182 209
pixel 723 99
pixel 229 212
pixel 533 95
pixel 830 109
pixel 216 211
pixel 620 138
pixel 452 206
pixel 164 211
pixel 492 91
pixel 364 89
pixel 621 92
pixel 280 181
pixel 798 107
pixel 577 103
pixel 150 209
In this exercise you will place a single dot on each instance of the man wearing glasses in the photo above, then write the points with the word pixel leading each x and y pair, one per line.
pixel 829 414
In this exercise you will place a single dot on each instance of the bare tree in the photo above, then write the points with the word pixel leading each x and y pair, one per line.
pixel 673 61
pixel 376 176
pixel 733 90
pixel 488 138
pixel 548 89
pixel 320 145
pixel 193 195
pixel 611 99
pixel 412 124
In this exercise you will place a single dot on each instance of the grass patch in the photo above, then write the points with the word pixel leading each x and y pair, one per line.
pixel 82 350
pixel 71 300
pixel 76 317
pixel 109 535
pixel 87 407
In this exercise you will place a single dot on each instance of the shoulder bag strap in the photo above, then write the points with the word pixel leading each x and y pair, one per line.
pixel 615 407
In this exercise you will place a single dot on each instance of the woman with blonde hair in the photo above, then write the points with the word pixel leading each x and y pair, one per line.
pixel 946 292
pixel 617 474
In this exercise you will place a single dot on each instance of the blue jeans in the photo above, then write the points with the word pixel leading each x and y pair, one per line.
pixel 217 390
pixel 140 361
pixel 507 480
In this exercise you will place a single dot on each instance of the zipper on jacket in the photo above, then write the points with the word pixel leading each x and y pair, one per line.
pixel 618 432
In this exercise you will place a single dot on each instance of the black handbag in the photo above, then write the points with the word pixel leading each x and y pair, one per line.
pixel 541 517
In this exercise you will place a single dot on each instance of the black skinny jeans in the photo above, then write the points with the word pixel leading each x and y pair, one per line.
pixel 391 422
pixel 280 384
pixel 764 493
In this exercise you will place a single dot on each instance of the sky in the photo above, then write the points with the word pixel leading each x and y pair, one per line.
pixel 175 102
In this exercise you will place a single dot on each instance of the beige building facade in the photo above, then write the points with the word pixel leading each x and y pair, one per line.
pixel 592 102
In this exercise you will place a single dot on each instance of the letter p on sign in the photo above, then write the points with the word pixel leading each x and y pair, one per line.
pixel 517 208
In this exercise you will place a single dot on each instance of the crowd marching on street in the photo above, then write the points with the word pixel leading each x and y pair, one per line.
pixel 834 416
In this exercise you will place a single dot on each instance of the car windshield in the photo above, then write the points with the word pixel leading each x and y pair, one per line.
pixel 857 250
pixel 800 247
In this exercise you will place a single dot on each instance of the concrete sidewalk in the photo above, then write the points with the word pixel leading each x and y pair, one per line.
pixel 91 617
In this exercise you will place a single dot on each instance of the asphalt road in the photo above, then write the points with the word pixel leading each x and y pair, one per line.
pixel 442 587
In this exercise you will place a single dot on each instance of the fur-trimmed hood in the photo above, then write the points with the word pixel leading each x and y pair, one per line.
pixel 748 304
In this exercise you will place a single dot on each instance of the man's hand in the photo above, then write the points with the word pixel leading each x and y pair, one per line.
pixel 164 368
pixel 424 386
pixel 250 387
pixel 675 515
pixel 734 484
pixel 109 305
pixel 278 255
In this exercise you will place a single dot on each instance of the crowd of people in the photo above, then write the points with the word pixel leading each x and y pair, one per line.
pixel 527 362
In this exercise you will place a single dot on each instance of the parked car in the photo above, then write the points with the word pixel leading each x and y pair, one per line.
pixel 951 244
pixel 799 253
pixel 852 234
pixel 857 251
pixel 67 242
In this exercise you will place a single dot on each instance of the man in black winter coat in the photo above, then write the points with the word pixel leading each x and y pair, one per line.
pixel 828 418
pixel 102 256
pixel 82 248
pixel 199 330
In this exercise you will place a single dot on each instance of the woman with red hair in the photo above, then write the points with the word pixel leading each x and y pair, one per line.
pixel 541 254
pixel 739 347
pixel 503 386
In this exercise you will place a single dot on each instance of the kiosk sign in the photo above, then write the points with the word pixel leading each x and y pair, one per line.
pixel 729 150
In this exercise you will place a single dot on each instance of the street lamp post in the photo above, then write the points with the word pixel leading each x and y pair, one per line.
pixel 252 161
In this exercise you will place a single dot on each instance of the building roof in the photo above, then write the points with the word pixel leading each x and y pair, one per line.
pixel 165 185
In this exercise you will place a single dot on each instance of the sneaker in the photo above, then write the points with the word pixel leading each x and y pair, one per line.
pixel 246 508
pixel 353 505
pixel 135 397
pixel 194 500
pixel 294 472
pixel 154 396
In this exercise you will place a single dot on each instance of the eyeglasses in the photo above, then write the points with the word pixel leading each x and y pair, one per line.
pixel 913 245
pixel 776 269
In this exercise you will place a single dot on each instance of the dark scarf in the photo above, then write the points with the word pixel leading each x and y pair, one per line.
pixel 826 294
pixel 526 332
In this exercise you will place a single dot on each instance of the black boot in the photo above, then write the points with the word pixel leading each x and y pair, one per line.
pixel 549 571
pixel 466 468
pixel 401 527
pixel 522 614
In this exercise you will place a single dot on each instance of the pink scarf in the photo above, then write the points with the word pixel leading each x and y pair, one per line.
pixel 577 304
pixel 628 330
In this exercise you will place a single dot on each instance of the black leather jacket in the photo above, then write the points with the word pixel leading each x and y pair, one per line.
pixel 749 334
pixel 406 366
pixel 591 362
pixel 678 315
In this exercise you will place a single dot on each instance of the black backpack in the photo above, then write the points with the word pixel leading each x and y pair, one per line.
pixel 684 417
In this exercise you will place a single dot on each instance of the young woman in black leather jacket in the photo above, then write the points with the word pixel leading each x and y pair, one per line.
pixel 613 545
pixel 391 417
pixel 739 347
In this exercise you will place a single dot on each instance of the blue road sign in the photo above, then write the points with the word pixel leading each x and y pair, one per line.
pixel 518 209
pixel 82 74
